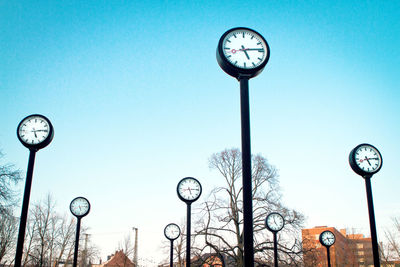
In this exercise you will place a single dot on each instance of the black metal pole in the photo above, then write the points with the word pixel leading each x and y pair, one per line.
pixel 25 208
pixel 372 225
pixel 275 250
pixel 78 229
pixel 246 172
pixel 171 255
pixel 328 255
pixel 188 224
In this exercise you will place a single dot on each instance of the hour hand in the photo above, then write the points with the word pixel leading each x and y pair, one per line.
pixel 368 160
pixel 245 52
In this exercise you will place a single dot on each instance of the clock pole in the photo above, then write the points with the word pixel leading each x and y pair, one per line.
pixel 246 173
pixel 25 207
pixel 188 226
pixel 275 250
pixel 372 224
pixel 328 255
pixel 78 229
pixel 171 254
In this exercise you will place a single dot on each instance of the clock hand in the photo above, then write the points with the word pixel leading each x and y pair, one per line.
pixel 367 160
pixel 245 52
pixel 34 131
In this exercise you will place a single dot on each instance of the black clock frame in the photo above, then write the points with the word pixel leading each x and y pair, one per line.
pixel 165 234
pixel 184 199
pixel 83 215
pixel 320 238
pixel 356 168
pixel 266 222
pixel 233 70
pixel 45 142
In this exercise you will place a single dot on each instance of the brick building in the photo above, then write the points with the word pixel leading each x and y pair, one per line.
pixel 349 250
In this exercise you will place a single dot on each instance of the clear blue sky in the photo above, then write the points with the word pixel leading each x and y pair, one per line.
pixel 138 102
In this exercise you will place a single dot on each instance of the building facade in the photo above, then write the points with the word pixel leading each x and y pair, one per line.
pixel 349 250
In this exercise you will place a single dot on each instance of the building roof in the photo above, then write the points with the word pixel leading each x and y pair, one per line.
pixel 119 259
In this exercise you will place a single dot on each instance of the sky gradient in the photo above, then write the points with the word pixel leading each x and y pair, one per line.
pixel 138 102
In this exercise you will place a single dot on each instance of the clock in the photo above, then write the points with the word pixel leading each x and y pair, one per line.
pixel 242 52
pixel 79 207
pixel 172 231
pixel 274 222
pixel 327 238
pixel 35 131
pixel 189 189
pixel 365 160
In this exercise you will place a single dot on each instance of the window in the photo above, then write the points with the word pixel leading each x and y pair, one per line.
pixel 360 246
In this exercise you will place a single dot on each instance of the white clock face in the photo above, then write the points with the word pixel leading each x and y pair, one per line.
pixel 189 189
pixel 275 222
pixel 367 158
pixel 34 130
pixel 172 231
pixel 80 206
pixel 244 49
pixel 327 238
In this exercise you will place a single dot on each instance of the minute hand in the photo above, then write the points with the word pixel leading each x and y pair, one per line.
pixel 254 49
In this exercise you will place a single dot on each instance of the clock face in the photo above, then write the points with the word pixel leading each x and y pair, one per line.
pixel 365 159
pixel 244 48
pixel 242 52
pixel 80 207
pixel 368 158
pixel 35 131
pixel 189 189
pixel 327 238
pixel 274 222
pixel 172 231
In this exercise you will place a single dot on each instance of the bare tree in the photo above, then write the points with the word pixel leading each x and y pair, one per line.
pixel 221 223
pixel 9 176
pixel 126 246
pixel 8 231
pixel 390 249
pixel 50 237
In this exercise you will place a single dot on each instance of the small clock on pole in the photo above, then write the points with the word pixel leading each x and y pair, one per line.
pixel 172 232
pixel 327 239
pixel 189 190
pixel 275 222
pixel 243 53
pixel 79 207
pixel 34 132
pixel 366 160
